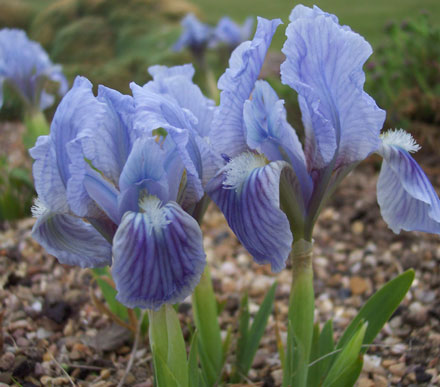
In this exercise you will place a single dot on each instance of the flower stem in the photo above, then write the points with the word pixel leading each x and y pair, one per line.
pixel 36 125
pixel 301 312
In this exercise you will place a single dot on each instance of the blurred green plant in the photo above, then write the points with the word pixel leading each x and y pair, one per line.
pixel 16 191
pixel 405 72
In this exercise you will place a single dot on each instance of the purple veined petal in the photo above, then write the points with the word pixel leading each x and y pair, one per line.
pixel 324 65
pixel 47 180
pixel 268 131
pixel 71 240
pixel 406 198
pixel 158 255
pixel 237 84
pixel 176 82
pixel 247 192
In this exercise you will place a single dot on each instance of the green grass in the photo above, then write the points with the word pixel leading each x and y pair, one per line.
pixel 368 17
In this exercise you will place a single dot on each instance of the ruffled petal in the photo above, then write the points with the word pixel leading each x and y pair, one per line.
pixel 324 65
pixel 268 131
pixel 48 183
pixel 406 198
pixel 71 240
pixel 176 82
pixel 247 192
pixel 237 84
pixel 158 256
pixel 195 34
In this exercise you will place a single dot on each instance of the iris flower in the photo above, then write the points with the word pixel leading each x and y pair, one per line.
pixel 232 34
pixel 26 68
pixel 196 35
pixel 271 189
pixel 107 187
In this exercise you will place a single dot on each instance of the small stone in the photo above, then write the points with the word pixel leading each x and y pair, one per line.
pixel 105 374
pixel 418 314
pixel 277 376
pixel 46 380
pixel 365 382
pixel 357 227
pixel 398 369
pixel 60 381
pixel 7 361
pixel 372 364
pixel 380 381
pixel 358 285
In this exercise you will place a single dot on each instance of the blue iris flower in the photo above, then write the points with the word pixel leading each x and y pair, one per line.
pixel 272 190
pixel 232 34
pixel 26 68
pixel 109 185
pixel 195 35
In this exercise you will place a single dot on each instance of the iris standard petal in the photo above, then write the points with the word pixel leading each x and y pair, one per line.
pixel 232 34
pixel 406 198
pixel 268 131
pixel 195 33
pixel 158 255
pixel 237 84
pixel 144 169
pixel 247 192
pixel 324 65
pixel 176 82
pixel 71 240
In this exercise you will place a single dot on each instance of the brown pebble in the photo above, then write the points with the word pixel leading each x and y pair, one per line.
pixel 398 369
pixel 365 382
pixel 380 381
pixel 358 285
pixel 105 374
pixel 7 361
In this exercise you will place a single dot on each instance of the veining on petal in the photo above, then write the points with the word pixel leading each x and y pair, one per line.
pixel 401 139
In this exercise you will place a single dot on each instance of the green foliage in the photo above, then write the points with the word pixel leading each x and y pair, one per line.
pixel 405 72
pixel 250 336
pixel 16 192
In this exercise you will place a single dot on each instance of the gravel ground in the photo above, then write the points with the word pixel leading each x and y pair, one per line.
pixel 53 334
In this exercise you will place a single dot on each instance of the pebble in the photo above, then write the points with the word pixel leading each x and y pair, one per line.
pixel 380 381
pixel 7 361
pixel 365 382
pixel 277 376
pixel 105 374
pixel 358 285
pixel 398 369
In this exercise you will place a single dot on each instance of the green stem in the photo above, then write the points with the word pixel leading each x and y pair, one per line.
pixel 36 125
pixel 301 311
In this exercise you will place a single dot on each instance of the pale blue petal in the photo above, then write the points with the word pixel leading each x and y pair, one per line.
pixel 155 111
pixel 232 34
pixel 406 198
pixel 103 193
pixel 268 131
pixel 237 84
pixel 324 65
pixel 145 169
pixel 71 240
pixel 158 257
pixel 248 195
pixel 48 183
pixel 176 83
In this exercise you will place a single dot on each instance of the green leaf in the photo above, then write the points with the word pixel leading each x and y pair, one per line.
pixel 193 366
pixel 344 363
pixel 351 374
pixel 326 346
pixel 257 330
pixel 288 370
pixel 206 321
pixel 379 308
pixel 313 379
pixel 163 375
pixel 167 343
